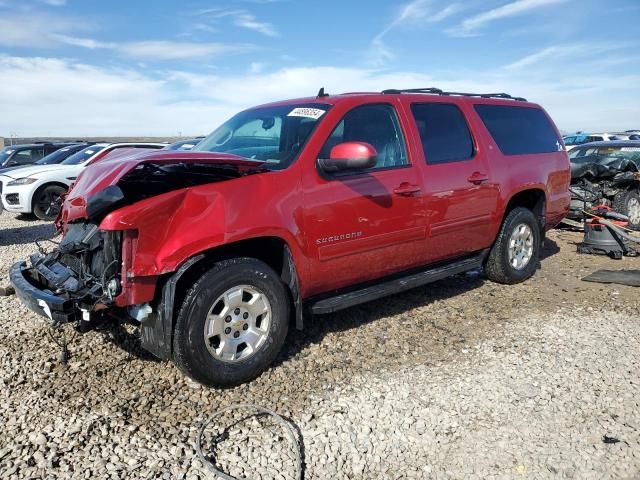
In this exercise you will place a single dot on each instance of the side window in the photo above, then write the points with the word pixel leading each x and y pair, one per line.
pixel 377 125
pixel 444 132
pixel 594 139
pixel 519 130
pixel 570 141
pixel 28 156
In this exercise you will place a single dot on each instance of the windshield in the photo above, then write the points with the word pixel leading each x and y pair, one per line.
pixel 606 153
pixel 274 135
pixel 57 156
pixel 83 155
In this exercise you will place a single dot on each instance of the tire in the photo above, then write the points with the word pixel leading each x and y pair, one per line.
pixel 46 202
pixel 628 203
pixel 499 266
pixel 203 359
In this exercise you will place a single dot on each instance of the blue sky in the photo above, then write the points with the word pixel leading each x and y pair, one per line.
pixel 80 67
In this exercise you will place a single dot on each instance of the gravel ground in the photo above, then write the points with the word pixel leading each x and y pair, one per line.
pixel 460 379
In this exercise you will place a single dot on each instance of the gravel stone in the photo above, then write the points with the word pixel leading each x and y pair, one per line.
pixel 460 379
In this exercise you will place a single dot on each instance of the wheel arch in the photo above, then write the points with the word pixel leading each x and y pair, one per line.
pixel 157 330
pixel 534 199
pixel 52 183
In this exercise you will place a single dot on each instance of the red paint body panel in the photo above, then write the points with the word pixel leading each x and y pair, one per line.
pixel 340 231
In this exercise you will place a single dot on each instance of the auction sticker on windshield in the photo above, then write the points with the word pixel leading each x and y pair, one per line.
pixel 314 113
pixel 630 149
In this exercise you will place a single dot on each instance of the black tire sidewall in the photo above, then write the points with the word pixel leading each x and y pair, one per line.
pixel 621 205
pixel 36 211
pixel 190 351
pixel 497 267
pixel 521 216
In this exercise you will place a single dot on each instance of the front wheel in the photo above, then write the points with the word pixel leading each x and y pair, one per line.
pixel 47 202
pixel 232 323
pixel 515 253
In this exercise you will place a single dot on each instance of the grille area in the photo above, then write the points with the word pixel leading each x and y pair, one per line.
pixel 12 199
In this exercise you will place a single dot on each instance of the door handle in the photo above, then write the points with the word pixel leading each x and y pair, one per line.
pixel 478 178
pixel 406 189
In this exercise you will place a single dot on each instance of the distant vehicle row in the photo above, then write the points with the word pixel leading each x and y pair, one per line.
pixel 580 138
pixel 31 183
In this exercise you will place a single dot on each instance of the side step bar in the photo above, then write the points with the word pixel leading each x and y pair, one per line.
pixel 394 285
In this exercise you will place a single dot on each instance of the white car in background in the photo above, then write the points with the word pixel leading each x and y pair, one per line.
pixel 38 189
pixel 580 138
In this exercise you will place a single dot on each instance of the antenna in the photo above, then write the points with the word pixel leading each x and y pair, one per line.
pixel 321 93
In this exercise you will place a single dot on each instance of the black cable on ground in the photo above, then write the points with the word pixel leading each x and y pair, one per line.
pixel 288 428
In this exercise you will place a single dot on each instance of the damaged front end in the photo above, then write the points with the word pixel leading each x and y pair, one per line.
pixel 595 182
pixel 114 225
pixel 82 275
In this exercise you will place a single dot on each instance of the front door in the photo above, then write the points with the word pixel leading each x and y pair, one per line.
pixel 363 225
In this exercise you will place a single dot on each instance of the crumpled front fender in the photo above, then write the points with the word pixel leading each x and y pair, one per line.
pixel 170 228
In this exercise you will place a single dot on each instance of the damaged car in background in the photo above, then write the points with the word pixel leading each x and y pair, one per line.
pixel 608 174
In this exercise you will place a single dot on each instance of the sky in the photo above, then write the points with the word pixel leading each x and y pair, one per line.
pixel 143 67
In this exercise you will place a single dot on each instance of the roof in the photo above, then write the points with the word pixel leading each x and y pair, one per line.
pixel 413 94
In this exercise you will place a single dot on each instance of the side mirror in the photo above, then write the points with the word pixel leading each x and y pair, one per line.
pixel 349 156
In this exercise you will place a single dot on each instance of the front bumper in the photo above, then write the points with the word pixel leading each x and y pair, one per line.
pixel 42 301
pixel 19 206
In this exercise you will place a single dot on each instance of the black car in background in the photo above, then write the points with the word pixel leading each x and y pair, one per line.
pixel 18 155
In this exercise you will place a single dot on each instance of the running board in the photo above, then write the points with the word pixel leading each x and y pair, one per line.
pixel 395 285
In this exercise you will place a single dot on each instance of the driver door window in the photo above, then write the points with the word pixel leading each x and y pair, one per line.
pixel 376 125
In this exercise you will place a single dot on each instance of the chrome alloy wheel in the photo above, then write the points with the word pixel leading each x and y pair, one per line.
pixel 237 324
pixel 633 210
pixel 521 246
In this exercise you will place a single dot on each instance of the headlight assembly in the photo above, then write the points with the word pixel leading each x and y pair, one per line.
pixel 22 181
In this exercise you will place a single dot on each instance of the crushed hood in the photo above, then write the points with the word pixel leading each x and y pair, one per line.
pixel 595 167
pixel 121 181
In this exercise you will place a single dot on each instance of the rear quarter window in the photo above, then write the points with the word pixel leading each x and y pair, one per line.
pixel 519 130
pixel 443 132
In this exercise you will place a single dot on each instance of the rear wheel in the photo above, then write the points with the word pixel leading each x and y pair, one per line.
pixel 47 202
pixel 232 323
pixel 515 253
pixel 628 203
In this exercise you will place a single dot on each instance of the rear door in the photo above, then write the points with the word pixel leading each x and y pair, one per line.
pixel 460 196
pixel 362 225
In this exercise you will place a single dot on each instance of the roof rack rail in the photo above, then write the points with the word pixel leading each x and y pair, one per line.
pixel 437 91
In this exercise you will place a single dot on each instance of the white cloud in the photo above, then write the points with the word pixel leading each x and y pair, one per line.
pixel 48 96
pixel 169 50
pixel 470 25
pixel 82 42
pixel 240 18
pixel 42 30
pixel 31 30
pixel 560 53
pixel 415 12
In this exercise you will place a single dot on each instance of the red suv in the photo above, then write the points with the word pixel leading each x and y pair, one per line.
pixel 301 207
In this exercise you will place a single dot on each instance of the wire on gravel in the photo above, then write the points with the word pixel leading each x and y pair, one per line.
pixel 288 428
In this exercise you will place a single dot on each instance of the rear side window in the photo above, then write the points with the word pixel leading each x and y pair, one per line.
pixel 519 130
pixel 443 131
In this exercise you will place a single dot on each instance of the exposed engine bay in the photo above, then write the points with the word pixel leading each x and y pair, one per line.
pixel 151 179
pixel 85 266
